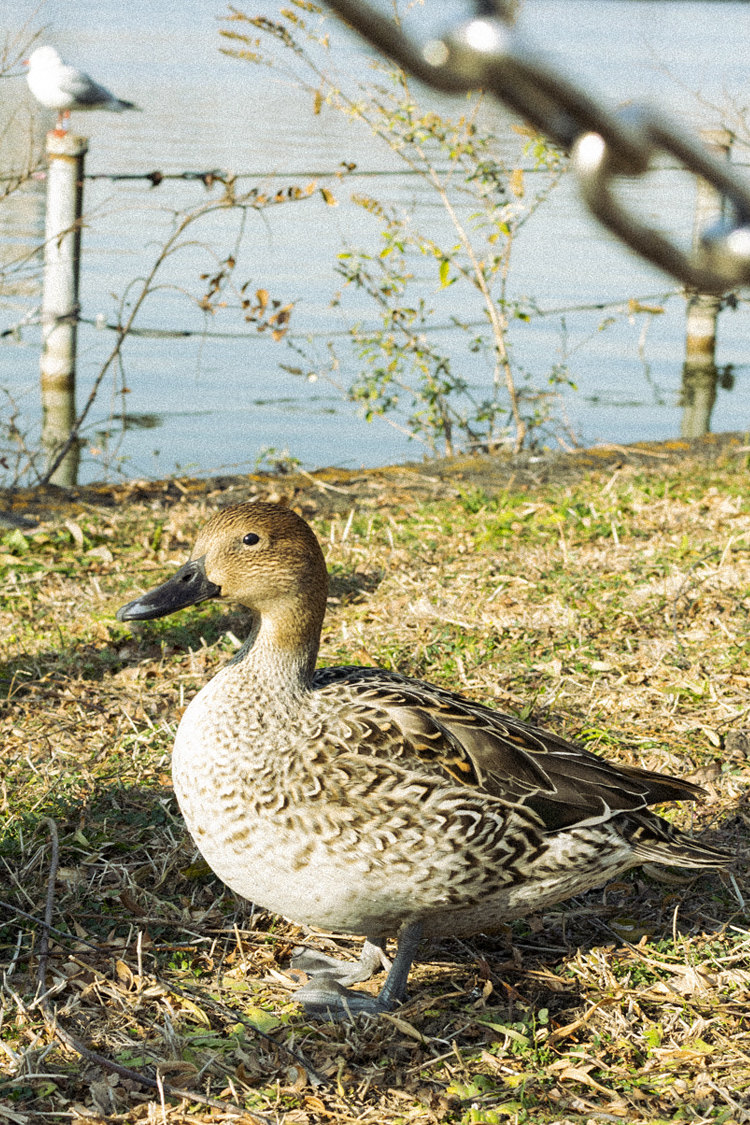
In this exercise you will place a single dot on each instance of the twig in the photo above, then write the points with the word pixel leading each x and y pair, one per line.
pixel 570 1028
pixel 177 991
pixel 124 330
pixel 686 584
pixel 52 929
pixel 41 972
pixel 75 1044
pixel 141 1079
pixel 322 484
pixel 16 954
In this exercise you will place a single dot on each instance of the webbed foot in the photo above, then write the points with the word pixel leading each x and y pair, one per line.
pixel 318 964
pixel 326 997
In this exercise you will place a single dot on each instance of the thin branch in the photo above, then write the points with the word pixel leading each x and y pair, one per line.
pixel 170 986
pixel 168 249
pixel 74 1043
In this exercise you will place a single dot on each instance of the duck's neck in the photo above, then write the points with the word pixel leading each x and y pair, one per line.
pixel 278 658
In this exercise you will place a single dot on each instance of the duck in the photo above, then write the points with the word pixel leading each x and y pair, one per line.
pixel 362 801
pixel 57 85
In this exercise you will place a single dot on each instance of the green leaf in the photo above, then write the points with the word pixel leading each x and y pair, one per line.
pixel 16 541
pixel 263 1020
pixel 516 1036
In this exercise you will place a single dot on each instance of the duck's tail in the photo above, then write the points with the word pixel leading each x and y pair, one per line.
pixel 653 840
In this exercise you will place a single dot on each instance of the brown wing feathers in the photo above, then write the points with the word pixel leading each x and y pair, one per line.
pixel 562 783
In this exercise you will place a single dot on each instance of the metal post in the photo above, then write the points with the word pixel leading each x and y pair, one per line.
pixel 65 155
pixel 699 372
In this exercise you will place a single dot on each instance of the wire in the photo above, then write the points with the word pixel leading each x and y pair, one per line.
pixel 34 317
pixel 451 326
pixel 218 175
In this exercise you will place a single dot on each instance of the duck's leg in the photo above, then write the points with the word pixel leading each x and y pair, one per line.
pixel 324 996
pixel 345 972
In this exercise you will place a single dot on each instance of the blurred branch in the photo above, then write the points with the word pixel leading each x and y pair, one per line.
pixel 259 308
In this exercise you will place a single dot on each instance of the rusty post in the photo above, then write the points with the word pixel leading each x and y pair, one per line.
pixel 699 371
pixel 62 246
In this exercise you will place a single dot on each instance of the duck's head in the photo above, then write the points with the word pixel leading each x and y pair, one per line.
pixel 262 555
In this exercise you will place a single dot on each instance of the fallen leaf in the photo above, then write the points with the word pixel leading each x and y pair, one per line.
pixel 75 531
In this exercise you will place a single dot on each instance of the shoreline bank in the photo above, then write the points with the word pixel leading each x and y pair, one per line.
pixel 328 491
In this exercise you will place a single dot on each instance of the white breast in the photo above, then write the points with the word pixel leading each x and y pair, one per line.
pixel 46 87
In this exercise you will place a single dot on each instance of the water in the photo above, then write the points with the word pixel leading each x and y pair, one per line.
pixel 209 401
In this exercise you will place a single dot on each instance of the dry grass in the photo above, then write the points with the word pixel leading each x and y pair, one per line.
pixel 614 609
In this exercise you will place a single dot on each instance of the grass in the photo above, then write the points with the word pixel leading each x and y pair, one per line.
pixel 613 609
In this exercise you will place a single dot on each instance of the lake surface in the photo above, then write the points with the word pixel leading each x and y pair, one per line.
pixel 216 398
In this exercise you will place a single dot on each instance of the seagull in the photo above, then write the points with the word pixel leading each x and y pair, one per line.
pixel 59 86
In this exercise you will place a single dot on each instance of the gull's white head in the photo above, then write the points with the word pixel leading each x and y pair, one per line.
pixel 44 57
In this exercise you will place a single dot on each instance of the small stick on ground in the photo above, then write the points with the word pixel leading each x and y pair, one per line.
pixel 70 1041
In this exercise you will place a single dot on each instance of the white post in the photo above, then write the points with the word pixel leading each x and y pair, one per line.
pixel 699 373
pixel 65 155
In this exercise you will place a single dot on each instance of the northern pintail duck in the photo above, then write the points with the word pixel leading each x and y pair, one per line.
pixel 366 802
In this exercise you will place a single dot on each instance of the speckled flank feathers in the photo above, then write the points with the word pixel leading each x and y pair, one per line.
pixel 366 802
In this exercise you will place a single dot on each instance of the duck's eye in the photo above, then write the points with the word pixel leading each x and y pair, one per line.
pixel 250 539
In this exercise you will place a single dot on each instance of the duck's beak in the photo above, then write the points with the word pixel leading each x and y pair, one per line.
pixel 188 586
